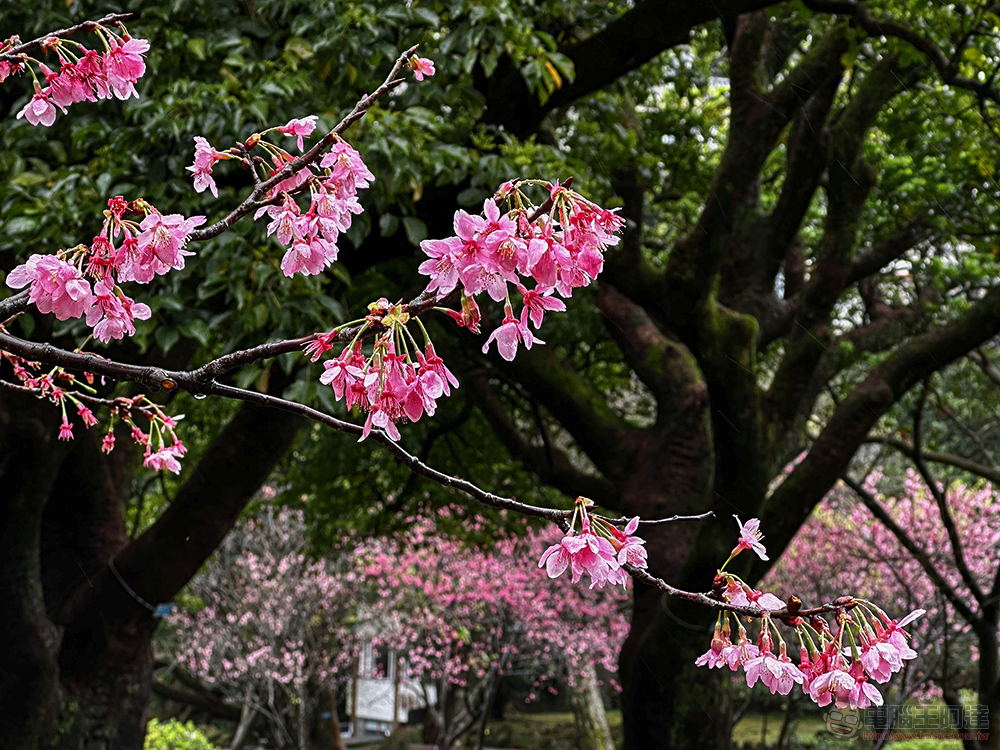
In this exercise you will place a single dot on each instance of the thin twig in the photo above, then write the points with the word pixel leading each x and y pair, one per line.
pixel 13 54
pixel 254 200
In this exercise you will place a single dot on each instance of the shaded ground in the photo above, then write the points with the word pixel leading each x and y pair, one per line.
pixel 522 731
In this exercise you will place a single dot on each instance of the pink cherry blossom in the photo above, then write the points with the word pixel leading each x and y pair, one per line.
pixel 161 244
pixel 469 316
pixel 509 333
pixel 205 157
pixel 39 110
pixel 308 257
pixel 339 371
pixel 66 87
pixel 165 458
pixel 299 128
pixel 715 656
pixel 743 652
pixel 90 68
pixel 582 553
pixel 431 360
pixel 56 286
pixel 85 414
pixel 108 444
pixel 348 169
pixel 777 672
pixel 8 69
pixel 835 685
pixel 538 304
pixel 421 67
pixel 750 537
pixel 113 313
pixel 65 430
pixel 123 65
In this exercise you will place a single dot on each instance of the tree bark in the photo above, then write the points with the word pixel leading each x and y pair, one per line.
pixel 77 674
pixel 29 680
pixel 588 712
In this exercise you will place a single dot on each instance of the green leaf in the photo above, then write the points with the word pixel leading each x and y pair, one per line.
pixel 416 230
pixel 388 225
pixel 196 46
pixel 427 16
pixel 197 329
pixel 166 337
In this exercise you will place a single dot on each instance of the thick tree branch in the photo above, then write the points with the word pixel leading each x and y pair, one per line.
pixel 790 504
pixel 629 41
pixel 878 256
pixel 550 464
pixel 946 65
pixel 578 405
pixel 666 366
pixel 851 179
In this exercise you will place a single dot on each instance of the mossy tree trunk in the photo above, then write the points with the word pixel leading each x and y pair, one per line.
pixel 588 711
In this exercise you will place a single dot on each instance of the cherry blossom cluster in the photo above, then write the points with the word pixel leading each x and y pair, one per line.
pixel 66 390
pixel 834 667
pixel 396 381
pixel 310 235
pixel 599 549
pixel 556 250
pixel 125 250
pixel 822 558
pixel 84 74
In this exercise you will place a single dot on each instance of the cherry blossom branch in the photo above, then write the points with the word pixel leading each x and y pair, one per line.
pixel 14 304
pixel 559 517
pixel 13 54
pixel 623 521
pixel 642 575
pixel 405 457
pixel 254 200
pixel 155 377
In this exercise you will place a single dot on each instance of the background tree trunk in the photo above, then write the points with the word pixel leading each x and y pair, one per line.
pixel 588 712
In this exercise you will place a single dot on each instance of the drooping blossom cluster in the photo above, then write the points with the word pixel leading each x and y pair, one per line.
pixel 125 250
pixel 83 74
pixel 837 667
pixel 555 250
pixel 452 615
pixel 82 282
pixel 598 550
pixel 64 389
pixel 833 552
pixel 310 235
pixel 396 381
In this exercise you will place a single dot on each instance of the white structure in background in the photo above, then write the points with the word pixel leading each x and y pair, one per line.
pixel 385 693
